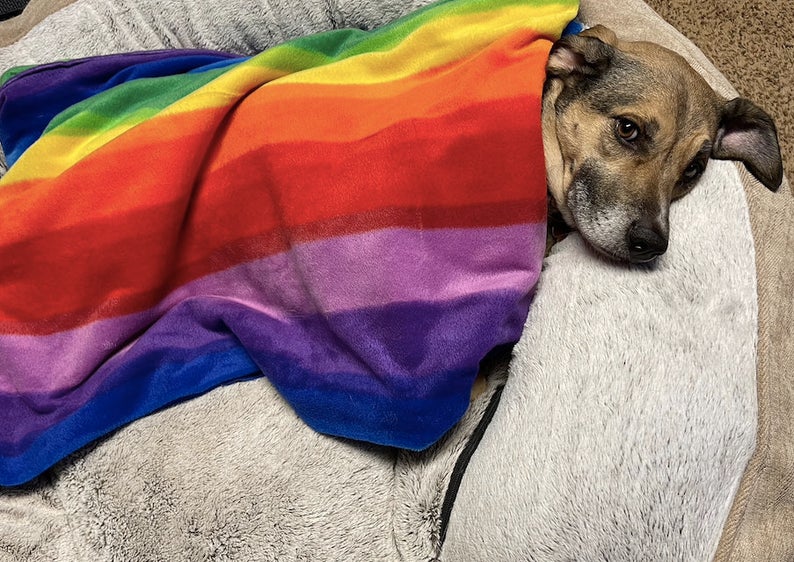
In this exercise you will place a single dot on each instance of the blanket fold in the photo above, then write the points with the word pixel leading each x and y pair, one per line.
pixel 359 216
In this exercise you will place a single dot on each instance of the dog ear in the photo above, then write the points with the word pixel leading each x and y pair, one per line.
pixel 584 55
pixel 747 133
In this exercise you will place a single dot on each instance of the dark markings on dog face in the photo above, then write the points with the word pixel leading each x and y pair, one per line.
pixel 622 83
pixel 604 217
pixel 594 188
pixel 599 191
pixel 693 171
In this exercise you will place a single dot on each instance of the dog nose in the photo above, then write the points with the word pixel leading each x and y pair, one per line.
pixel 646 242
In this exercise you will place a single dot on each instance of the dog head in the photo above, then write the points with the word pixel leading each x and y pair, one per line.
pixel 629 127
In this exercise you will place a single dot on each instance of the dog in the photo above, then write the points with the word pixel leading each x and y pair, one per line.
pixel 629 127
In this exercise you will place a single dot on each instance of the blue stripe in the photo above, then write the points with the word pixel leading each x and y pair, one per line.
pixel 411 423
pixel 127 401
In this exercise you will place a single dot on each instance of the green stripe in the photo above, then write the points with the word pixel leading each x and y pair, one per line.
pixel 133 102
pixel 129 103
pixel 17 70
pixel 340 44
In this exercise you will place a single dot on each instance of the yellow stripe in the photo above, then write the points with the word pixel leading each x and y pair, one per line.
pixel 52 154
pixel 459 34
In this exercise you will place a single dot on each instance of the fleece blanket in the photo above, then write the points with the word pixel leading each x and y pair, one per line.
pixel 360 216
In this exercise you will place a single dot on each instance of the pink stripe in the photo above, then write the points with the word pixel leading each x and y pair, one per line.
pixel 345 273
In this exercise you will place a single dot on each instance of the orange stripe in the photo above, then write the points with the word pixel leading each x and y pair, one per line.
pixel 288 112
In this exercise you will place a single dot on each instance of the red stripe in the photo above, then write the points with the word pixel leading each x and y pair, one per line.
pixel 37 318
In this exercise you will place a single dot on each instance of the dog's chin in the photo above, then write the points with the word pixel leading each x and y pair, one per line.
pixel 616 255
pixel 603 232
pixel 610 244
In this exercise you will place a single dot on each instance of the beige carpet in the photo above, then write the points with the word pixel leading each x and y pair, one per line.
pixel 752 43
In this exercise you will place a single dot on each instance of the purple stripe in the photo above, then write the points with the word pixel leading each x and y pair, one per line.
pixel 30 100
pixel 397 350
pixel 357 271
pixel 98 68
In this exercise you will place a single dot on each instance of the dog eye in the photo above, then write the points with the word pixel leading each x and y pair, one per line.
pixel 693 170
pixel 627 129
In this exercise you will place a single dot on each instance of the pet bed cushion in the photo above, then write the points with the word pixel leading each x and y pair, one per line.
pixel 622 412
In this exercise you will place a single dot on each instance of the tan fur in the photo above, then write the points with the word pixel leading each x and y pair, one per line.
pixel 652 86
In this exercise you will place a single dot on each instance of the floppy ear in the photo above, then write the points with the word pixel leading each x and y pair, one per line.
pixel 747 133
pixel 583 55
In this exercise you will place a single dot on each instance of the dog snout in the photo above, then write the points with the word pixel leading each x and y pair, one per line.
pixel 646 241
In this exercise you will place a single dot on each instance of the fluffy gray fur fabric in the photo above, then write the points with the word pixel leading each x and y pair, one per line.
pixel 629 414
pixel 625 425
pixel 91 27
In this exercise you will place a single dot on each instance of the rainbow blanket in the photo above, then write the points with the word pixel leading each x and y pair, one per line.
pixel 359 216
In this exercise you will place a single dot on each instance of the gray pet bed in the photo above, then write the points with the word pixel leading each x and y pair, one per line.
pixel 623 431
